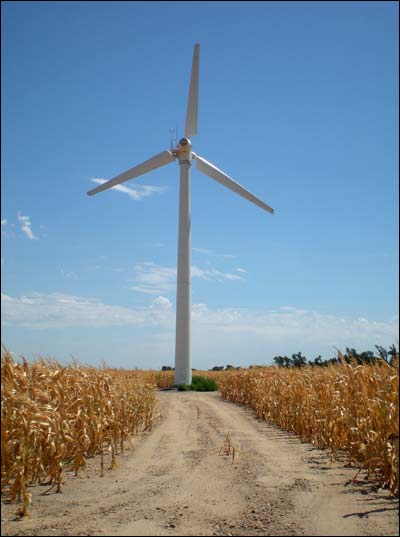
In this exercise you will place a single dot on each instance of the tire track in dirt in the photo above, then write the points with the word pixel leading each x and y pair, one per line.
pixel 177 481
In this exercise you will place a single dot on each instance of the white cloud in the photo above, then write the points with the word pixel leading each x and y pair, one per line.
pixel 242 270
pixel 26 226
pixel 5 228
pixel 235 334
pixel 146 290
pixel 161 302
pixel 248 336
pixel 155 280
pixel 229 276
pixel 211 253
pixel 137 193
pixel 292 324
pixel 58 310
pixel 213 274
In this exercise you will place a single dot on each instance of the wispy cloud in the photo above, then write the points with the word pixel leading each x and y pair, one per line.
pixel 213 274
pixel 137 193
pixel 5 229
pixel 243 334
pixel 244 271
pixel 249 336
pixel 41 311
pixel 161 302
pixel 68 275
pixel 104 268
pixel 291 329
pixel 153 279
pixel 211 253
pixel 26 226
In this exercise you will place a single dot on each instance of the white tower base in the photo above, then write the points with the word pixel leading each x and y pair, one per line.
pixel 183 358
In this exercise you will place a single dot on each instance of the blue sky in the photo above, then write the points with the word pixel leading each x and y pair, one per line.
pixel 298 102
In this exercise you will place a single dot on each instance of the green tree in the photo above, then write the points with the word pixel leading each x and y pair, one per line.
pixel 279 361
pixel 299 360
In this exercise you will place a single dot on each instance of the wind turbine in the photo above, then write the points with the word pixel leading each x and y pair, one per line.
pixel 183 154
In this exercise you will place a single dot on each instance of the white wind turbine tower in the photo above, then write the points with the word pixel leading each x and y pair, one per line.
pixel 184 154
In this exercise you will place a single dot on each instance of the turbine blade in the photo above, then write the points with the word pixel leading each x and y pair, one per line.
pixel 209 169
pixel 163 158
pixel 193 100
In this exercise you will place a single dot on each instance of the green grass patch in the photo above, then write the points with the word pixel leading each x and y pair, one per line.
pixel 203 384
pixel 199 384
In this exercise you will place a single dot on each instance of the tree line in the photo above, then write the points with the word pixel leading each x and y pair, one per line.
pixel 351 356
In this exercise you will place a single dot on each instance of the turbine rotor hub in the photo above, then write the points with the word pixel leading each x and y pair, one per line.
pixel 185 142
pixel 184 150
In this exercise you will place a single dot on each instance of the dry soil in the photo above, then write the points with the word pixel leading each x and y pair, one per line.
pixel 210 468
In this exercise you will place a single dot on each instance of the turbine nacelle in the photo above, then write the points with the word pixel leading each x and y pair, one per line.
pixel 184 142
pixel 183 150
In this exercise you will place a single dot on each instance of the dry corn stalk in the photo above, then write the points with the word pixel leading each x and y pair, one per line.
pixel 352 410
pixel 228 447
pixel 54 418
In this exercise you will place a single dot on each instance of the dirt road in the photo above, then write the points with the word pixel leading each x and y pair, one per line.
pixel 178 481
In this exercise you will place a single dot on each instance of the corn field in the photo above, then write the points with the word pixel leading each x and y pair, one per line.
pixel 53 418
pixel 352 410
pixel 164 379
